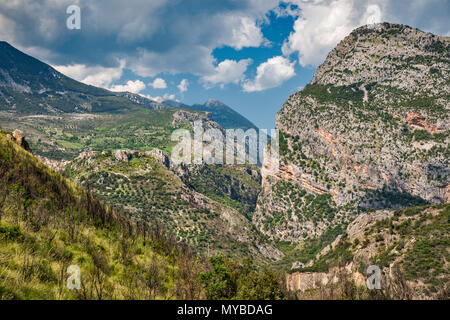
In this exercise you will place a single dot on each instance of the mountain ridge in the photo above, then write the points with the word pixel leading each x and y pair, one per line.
pixel 30 86
pixel 224 115
pixel 354 139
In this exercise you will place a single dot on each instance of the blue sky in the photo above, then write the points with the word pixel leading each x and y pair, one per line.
pixel 249 54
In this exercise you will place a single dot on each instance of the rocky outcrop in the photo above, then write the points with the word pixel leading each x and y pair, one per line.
pixel 160 156
pixel 397 55
pixel 122 155
pixel 18 136
pixel 303 282
pixel 54 164
pixel 151 188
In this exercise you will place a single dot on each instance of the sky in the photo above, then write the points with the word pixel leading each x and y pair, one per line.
pixel 249 54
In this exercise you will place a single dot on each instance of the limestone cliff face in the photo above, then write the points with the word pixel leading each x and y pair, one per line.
pixel 370 131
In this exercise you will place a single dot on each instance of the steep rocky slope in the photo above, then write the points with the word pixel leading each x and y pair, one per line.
pixel 410 246
pixel 52 231
pixel 370 131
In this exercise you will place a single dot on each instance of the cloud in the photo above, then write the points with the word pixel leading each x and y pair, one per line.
pixel 227 71
pixel 161 99
pixel 322 24
pixel 287 10
pixel 319 29
pixel 245 33
pixel 158 83
pixel 373 15
pixel 183 86
pixel 131 86
pixel 152 36
pixel 93 75
pixel 270 74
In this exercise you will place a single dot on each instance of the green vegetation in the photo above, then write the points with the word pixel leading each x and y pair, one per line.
pixel 306 250
pixel 54 138
pixel 225 116
pixel 147 190
pixel 392 199
pixel 306 206
pixel 423 135
pixel 328 93
pixel 47 224
pixel 235 186
pixel 229 281
pixel 427 230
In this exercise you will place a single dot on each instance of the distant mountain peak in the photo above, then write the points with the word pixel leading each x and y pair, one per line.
pixel 212 102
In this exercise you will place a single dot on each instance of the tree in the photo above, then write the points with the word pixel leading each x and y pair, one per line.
pixel 218 283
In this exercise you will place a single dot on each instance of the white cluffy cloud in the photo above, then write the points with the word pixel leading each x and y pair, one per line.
pixel 271 74
pixel 93 75
pixel 245 33
pixel 183 86
pixel 131 86
pixel 227 71
pixel 324 23
pixel 161 99
pixel 158 83
pixel 101 77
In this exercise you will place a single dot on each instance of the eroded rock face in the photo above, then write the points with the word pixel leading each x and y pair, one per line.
pixel 86 154
pixel 122 155
pixel 377 239
pixel 20 139
pixel 370 131
pixel 160 156
pixel 303 282
pixel 54 164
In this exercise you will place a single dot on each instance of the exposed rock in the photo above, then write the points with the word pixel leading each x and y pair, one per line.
pixel 366 220
pixel 54 164
pixel 297 265
pixel 182 117
pixel 373 239
pixel 160 156
pixel 122 155
pixel 306 281
pixel 371 130
pixel 86 154
pixel 18 135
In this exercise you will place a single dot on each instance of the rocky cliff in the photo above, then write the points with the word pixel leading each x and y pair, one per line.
pixel 370 131
pixel 409 246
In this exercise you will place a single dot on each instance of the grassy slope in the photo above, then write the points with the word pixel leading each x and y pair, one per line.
pixel 47 224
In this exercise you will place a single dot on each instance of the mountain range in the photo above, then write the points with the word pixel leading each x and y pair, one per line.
pixel 363 178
